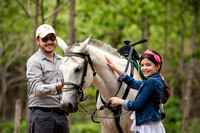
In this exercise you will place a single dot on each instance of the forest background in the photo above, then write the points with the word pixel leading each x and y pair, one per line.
pixel 171 28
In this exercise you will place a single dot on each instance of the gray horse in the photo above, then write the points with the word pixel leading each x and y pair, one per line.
pixel 105 80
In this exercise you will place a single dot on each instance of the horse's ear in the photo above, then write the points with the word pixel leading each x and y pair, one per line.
pixel 84 44
pixel 61 43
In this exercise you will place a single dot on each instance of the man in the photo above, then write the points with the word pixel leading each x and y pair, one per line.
pixel 44 86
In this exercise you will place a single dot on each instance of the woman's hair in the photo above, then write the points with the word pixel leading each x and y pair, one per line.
pixel 152 58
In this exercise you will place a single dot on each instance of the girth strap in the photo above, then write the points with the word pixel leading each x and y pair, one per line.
pixel 116 110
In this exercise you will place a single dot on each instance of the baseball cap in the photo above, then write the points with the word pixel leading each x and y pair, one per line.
pixel 44 30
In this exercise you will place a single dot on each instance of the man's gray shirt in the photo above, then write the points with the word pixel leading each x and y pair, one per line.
pixel 42 75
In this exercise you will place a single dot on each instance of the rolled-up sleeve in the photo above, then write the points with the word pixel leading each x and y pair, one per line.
pixel 36 83
pixel 125 102
pixel 123 76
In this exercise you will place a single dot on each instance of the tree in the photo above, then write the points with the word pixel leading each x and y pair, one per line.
pixel 12 74
pixel 39 7
pixel 70 35
pixel 187 96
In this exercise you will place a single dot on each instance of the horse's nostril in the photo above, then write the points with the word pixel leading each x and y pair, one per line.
pixel 69 105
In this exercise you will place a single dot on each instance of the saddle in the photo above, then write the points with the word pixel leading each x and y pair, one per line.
pixel 124 51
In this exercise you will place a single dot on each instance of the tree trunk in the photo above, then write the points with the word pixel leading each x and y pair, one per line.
pixel 165 46
pixel 3 92
pixel 145 32
pixel 182 65
pixel 187 97
pixel 17 116
pixel 35 25
pixel 55 15
pixel 70 35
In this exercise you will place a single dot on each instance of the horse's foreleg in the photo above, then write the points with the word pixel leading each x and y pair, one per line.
pixel 108 128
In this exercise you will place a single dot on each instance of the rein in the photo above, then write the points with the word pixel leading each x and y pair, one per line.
pixel 97 116
pixel 86 56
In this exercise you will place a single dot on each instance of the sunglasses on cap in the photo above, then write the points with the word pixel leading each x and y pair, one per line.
pixel 52 38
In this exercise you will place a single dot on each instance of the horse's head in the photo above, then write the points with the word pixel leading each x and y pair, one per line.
pixel 78 71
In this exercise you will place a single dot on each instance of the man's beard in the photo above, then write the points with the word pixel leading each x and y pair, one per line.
pixel 45 47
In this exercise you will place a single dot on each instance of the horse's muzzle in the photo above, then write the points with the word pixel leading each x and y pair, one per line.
pixel 69 107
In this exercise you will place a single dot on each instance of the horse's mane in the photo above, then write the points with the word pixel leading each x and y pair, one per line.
pixel 101 45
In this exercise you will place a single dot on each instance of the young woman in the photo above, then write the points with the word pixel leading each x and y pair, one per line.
pixel 147 101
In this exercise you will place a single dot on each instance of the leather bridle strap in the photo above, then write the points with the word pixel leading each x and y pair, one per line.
pixel 83 55
pixel 79 87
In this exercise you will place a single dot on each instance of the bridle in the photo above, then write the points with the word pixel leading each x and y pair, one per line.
pixel 86 56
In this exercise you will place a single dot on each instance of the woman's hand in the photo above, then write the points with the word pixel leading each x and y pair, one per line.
pixel 116 101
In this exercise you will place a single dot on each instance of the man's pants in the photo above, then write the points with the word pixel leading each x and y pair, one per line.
pixel 42 121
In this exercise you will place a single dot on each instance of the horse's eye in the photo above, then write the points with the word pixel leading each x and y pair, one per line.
pixel 78 69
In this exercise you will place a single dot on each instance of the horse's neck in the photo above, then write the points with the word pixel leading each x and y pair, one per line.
pixel 106 79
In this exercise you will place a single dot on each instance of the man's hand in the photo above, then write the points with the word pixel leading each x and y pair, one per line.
pixel 58 86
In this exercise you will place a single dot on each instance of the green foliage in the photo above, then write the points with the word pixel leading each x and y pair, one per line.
pixel 173 109
pixel 173 120
pixel 8 127
pixel 194 126
pixel 196 81
pixel 85 128
pixel 173 83
pixel 82 117
pixel 23 126
pixel 197 53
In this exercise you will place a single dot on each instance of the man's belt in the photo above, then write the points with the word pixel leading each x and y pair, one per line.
pixel 53 110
